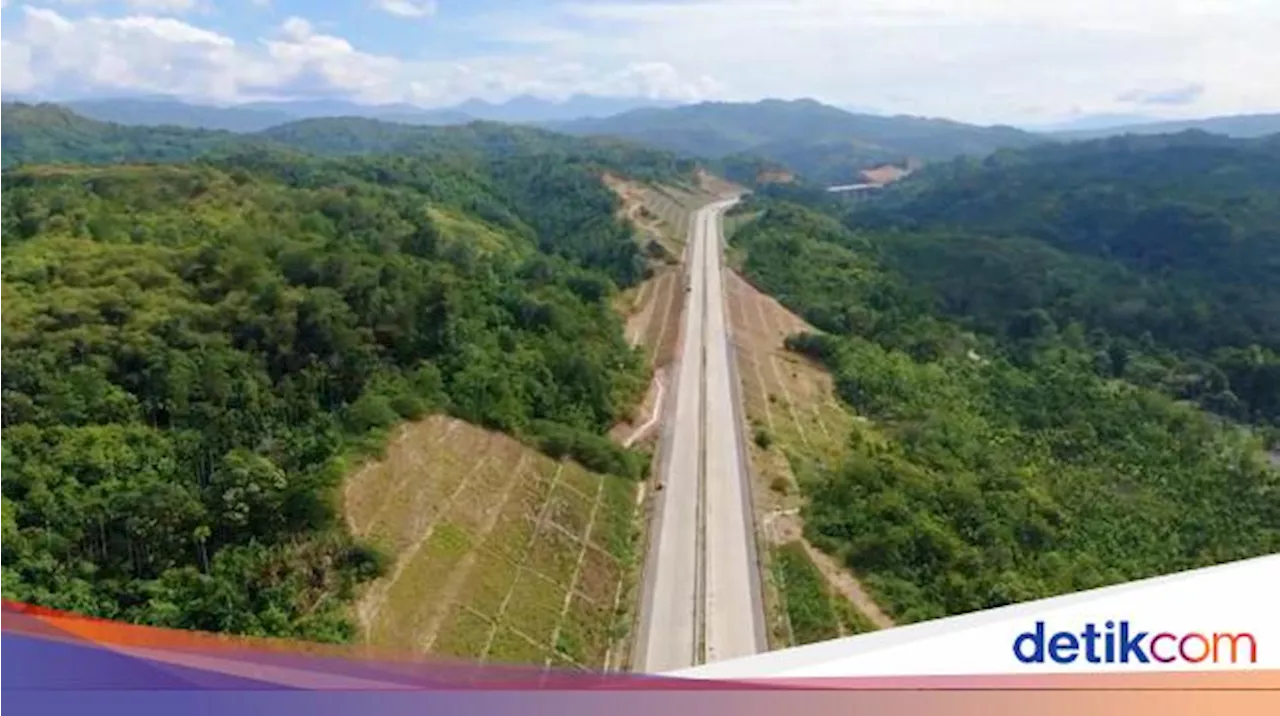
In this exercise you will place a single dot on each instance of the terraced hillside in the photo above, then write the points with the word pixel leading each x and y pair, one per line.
pixel 501 554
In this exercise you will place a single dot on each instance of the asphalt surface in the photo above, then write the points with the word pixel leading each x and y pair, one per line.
pixel 701 592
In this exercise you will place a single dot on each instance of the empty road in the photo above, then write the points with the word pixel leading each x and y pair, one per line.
pixel 701 592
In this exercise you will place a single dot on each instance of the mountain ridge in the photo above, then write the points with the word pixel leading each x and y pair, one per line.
pixel 1240 126
pixel 821 142
pixel 158 110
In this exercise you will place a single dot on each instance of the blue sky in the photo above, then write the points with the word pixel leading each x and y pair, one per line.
pixel 1023 61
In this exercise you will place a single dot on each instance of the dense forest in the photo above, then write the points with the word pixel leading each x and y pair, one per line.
pixel 1020 446
pixel 1165 249
pixel 194 349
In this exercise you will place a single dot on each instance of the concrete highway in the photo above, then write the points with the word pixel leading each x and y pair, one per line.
pixel 701 593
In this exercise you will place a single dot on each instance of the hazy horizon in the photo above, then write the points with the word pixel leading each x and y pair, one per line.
pixel 1078 123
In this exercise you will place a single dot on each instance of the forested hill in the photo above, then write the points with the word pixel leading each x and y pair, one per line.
pixel 999 466
pixel 1166 250
pixel 824 143
pixel 486 141
pixel 36 134
pixel 45 133
pixel 190 349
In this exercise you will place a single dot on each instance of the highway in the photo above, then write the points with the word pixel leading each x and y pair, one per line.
pixel 701 593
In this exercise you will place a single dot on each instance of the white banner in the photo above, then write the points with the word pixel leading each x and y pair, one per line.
pixel 1218 618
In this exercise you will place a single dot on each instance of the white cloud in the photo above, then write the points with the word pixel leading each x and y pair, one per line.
pixel 168 6
pixel 16 63
pixel 137 53
pixel 976 60
pixel 143 53
pixel 408 8
pixel 310 63
pixel 983 60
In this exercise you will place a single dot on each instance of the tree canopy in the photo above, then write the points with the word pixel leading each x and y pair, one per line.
pixel 1165 248
pixel 192 349
pixel 1016 448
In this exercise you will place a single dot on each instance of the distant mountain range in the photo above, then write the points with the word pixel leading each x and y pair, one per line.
pixel 256 116
pixel 1239 126
pixel 823 143
pixel 1088 122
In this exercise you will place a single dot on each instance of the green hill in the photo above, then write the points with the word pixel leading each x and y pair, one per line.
pixel 191 349
pixel 1018 441
pixel 1165 248
pixel 823 143
pixel 43 133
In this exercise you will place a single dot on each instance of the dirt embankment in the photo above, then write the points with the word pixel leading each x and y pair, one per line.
pixel 661 216
pixel 794 418
pixel 882 175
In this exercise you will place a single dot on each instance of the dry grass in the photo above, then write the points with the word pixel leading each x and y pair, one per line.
pixel 498 549
pixel 652 309
pixel 791 400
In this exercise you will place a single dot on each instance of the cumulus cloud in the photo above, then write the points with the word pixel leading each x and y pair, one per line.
pixel 169 6
pixel 150 54
pixel 408 8
pixel 307 63
pixel 137 53
pixel 976 60
pixel 982 60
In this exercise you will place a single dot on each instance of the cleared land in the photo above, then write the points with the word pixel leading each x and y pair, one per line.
pixel 501 554
pixel 652 309
pixel 795 425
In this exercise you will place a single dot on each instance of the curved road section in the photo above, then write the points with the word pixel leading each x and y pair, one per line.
pixel 701 593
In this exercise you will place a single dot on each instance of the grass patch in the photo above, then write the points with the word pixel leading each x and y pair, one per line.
pixel 490 581
pixel 614 530
pixel 464 634
pixel 410 601
pixel 570 510
pixel 852 620
pixel 394 499
pixel 805 596
pixel 554 554
pixel 514 530
pixel 579 479
pixel 585 634
pixel 509 647
pixel 535 607
pixel 599 577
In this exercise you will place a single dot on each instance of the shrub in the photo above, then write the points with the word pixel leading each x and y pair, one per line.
pixel 763 439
